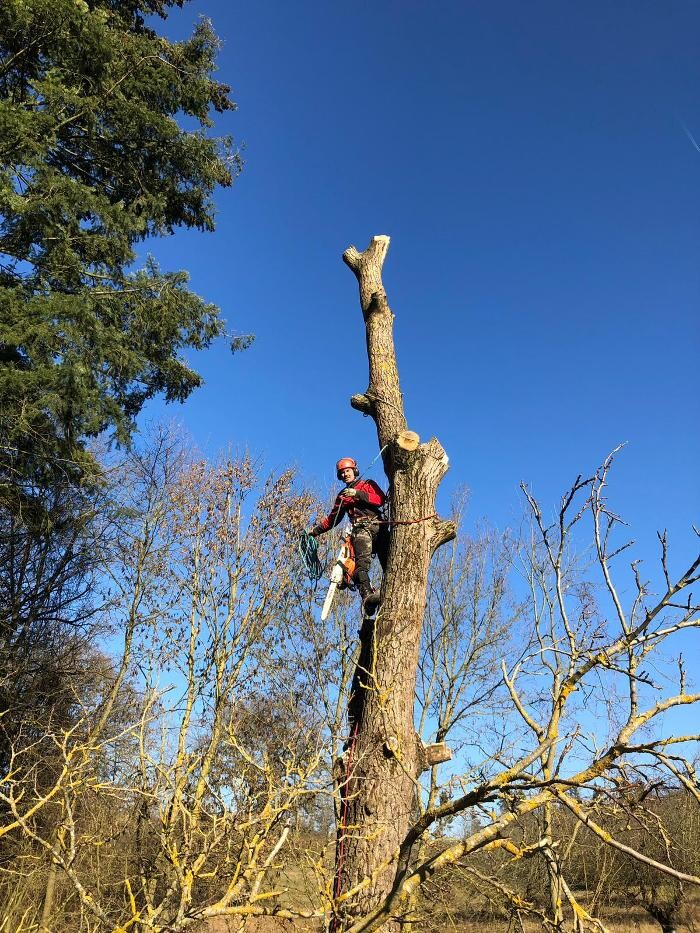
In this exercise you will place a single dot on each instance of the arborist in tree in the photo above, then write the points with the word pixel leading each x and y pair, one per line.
pixel 361 500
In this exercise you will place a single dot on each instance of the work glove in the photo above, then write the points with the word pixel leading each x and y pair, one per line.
pixel 350 492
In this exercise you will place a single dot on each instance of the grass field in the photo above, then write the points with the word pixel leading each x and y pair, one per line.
pixel 631 919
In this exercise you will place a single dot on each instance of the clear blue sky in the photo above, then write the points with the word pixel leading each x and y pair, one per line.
pixel 530 163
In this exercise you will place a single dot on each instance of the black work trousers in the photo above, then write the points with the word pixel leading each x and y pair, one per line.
pixel 368 538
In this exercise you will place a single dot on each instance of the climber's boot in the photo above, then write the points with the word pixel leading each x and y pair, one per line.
pixel 370 598
pixel 370 603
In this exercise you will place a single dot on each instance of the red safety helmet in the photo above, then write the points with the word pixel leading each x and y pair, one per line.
pixel 343 464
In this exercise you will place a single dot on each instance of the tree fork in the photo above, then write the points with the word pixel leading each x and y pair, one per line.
pixel 379 793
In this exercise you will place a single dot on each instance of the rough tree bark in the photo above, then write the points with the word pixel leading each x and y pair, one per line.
pixel 379 787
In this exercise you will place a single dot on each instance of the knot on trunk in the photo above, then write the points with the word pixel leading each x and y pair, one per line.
pixel 363 403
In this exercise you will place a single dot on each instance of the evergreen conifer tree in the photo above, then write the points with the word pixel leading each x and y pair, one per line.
pixel 93 161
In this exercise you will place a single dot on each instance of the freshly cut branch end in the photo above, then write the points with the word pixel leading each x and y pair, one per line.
pixel 407 440
pixel 436 753
pixel 374 254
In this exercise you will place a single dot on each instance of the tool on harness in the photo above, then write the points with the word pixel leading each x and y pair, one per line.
pixel 341 572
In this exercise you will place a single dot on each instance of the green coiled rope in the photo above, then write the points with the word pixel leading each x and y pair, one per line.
pixel 308 551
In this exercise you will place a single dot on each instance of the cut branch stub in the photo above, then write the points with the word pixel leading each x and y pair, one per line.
pixel 407 440
pixel 433 754
pixel 361 403
pixel 436 753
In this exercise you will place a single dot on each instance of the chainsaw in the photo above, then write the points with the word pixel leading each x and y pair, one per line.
pixel 342 569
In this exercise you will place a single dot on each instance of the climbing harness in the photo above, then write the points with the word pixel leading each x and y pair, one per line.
pixel 341 572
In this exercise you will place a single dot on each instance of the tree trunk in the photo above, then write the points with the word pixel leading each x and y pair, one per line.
pixel 47 906
pixel 664 914
pixel 385 761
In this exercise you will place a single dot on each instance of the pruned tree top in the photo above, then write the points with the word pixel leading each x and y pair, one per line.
pixel 385 756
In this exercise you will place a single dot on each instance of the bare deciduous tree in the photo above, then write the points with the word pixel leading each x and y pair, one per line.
pixel 590 709
pixel 184 804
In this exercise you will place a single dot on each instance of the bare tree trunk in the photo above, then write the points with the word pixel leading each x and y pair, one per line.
pixel 556 890
pixel 380 790
pixel 47 906
pixel 665 913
